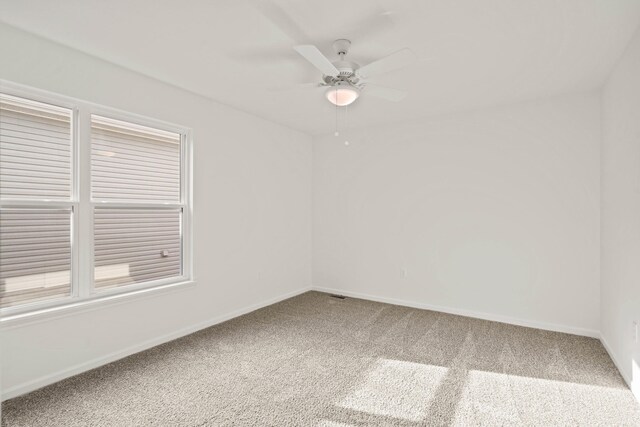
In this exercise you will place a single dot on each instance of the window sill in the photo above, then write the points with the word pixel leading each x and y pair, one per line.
pixel 96 303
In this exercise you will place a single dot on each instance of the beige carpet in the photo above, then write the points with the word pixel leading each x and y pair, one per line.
pixel 318 361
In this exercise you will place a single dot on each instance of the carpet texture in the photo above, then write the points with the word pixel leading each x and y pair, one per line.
pixel 314 360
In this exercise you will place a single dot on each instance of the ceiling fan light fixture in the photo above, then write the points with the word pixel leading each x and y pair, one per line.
pixel 342 94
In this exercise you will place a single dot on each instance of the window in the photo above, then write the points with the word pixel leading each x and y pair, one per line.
pixel 93 202
pixel 37 209
pixel 137 205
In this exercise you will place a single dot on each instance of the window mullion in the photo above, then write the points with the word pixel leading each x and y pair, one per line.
pixel 85 223
pixel 75 213
pixel 186 195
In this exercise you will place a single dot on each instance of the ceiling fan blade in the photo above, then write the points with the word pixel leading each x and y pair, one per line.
pixel 280 19
pixel 315 57
pixel 263 56
pixel 386 93
pixel 395 61
pixel 295 86
pixel 377 24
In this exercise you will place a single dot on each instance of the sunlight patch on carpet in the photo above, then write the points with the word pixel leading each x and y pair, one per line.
pixel 491 397
pixel 396 389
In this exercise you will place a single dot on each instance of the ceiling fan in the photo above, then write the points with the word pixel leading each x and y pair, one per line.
pixel 345 80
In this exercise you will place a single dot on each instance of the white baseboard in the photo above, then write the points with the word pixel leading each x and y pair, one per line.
pixel 496 318
pixel 468 313
pixel 615 359
pixel 33 385
pixel 623 372
pixel 103 360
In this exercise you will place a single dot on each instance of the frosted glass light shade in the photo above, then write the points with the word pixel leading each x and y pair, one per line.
pixel 342 95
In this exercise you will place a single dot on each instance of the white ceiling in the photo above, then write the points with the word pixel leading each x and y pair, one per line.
pixel 471 53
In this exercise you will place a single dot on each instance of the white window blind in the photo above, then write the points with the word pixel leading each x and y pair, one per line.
pixel 35 193
pixel 130 162
pixel 35 251
pixel 136 245
pixel 136 189
pixel 35 140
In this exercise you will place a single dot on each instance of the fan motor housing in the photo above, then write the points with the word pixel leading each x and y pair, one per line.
pixel 347 73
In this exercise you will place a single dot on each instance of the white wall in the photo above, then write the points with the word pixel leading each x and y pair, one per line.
pixel 492 213
pixel 252 216
pixel 621 214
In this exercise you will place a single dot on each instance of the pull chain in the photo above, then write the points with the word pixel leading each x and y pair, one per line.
pixel 346 123
pixel 337 133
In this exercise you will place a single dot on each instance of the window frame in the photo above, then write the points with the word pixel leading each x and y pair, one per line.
pixel 81 204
